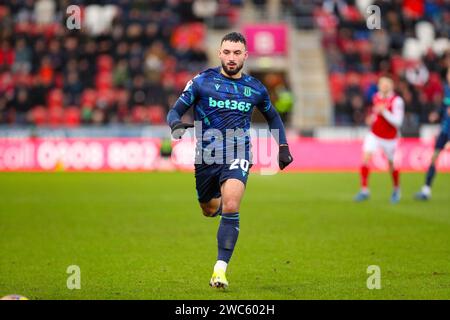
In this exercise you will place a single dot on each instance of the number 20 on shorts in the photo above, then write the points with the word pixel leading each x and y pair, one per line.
pixel 243 163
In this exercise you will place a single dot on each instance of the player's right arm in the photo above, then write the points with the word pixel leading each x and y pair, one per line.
pixel 370 117
pixel 181 106
pixel 371 114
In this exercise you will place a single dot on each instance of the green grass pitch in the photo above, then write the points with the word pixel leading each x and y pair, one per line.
pixel 142 236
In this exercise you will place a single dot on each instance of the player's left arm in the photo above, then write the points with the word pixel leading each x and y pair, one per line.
pixel 395 117
pixel 275 123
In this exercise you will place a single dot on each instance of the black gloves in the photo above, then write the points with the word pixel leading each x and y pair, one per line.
pixel 179 128
pixel 284 156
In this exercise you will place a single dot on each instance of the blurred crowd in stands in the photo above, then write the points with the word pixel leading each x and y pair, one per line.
pixel 127 64
pixel 412 46
pixel 131 58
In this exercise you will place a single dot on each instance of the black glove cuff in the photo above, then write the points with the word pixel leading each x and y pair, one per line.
pixel 174 124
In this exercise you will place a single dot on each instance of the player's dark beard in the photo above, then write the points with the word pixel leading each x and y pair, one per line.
pixel 231 72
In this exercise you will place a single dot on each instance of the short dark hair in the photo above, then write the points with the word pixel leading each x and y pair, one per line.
pixel 234 37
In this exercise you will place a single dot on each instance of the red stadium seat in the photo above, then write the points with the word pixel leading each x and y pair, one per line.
pixel 337 85
pixel 352 78
pixel 181 78
pixel 47 74
pixel 39 115
pixel 156 114
pixel 107 96
pixel 170 64
pixel 168 79
pixel 3 12
pixel 433 88
pixel 55 116
pixel 88 97
pixel 104 80
pixel 188 35
pixel 105 63
pixel 120 95
pixel 398 64
pixel 324 19
pixel 364 48
pixel 347 44
pixel 59 80
pixel 23 79
pixel 367 79
pixel 72 116
pixel 234 15
pixel 139 114
pixel 351 13
pixel 55 98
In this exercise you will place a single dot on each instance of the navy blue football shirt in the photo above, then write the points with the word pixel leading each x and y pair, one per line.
pixel 224 103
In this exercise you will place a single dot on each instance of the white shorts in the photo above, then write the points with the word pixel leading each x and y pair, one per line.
pixel 373 142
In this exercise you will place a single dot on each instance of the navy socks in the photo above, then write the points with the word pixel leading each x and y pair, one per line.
pixel 430 175
pixel 227 235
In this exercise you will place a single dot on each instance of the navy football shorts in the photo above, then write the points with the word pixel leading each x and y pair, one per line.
pixel 441 141
pixel 209 177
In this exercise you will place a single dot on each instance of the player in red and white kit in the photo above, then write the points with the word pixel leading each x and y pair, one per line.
pixel 385 121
